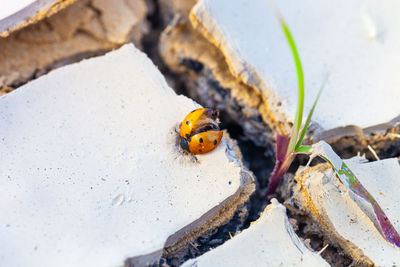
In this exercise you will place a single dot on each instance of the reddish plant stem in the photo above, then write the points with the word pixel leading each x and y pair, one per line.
pixel 283 161
pixel 281 167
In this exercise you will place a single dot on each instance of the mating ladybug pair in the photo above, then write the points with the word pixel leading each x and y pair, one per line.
pixel 199 131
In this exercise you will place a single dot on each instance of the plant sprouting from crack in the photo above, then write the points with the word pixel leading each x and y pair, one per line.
pixel 287 148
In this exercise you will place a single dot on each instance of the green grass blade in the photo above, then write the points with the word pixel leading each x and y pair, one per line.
pixel 300 79
pixel 303 149
pixel 304 130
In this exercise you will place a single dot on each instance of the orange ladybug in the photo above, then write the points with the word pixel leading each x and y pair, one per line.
pixel 199 132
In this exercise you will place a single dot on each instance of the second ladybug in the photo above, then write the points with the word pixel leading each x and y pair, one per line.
pixel 199 131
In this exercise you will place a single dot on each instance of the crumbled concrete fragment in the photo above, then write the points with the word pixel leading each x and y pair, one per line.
pixel 85 28
pixel 15 15
pixel 346 219
pixel 269 241
pixel 91 173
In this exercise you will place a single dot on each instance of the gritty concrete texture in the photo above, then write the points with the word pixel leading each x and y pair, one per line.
pixel 346 219
pixel 83 29
pixel 269 241
pixel 91 173
pixel 16 14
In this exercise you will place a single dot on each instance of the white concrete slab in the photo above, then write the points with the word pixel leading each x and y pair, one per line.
pixel 269 241
pixel 355 42
pixel 90 173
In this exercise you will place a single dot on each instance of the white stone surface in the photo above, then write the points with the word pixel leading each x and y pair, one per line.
pixel 352 218
pixel 89 171
pixel 9 7
pixel 269 241
pixel 356 42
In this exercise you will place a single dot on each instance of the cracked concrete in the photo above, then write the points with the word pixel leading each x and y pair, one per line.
pixel 198 37
pixel 92 27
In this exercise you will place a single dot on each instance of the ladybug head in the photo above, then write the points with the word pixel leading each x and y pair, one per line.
pixel 184 144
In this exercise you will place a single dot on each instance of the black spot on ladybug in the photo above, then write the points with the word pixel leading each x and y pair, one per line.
pixel 201 140
pixel 187 136
pixel 200 150
pixel 187 122
pixel 215 142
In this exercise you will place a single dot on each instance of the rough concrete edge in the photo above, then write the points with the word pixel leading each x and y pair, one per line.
pixel 145 260
pixel 306 204
pixel 212 219
pixel 36 11
pixel 255 81
pixel 264 218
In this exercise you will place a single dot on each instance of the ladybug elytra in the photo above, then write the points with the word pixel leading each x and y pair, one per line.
pixel 199 131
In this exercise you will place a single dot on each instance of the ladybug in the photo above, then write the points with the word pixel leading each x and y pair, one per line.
pixel 199 131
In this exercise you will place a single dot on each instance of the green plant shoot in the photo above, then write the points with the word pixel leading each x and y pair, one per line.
pixel 287 148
